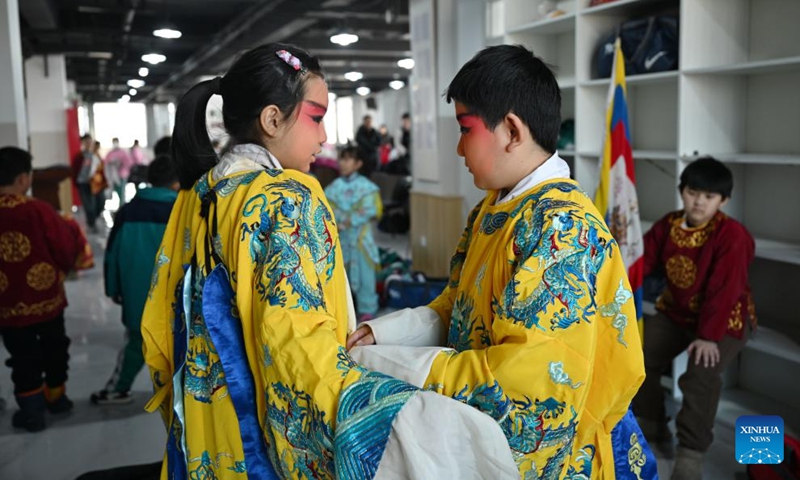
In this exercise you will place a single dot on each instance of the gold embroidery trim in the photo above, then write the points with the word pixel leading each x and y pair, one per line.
pixel 665 301
pixel 11 201
pixel 24 310
pixel 3 282
pixel 681 271
pixel 735 322
pixel 14 247
pixel 636 456
pixel 41 276
pixel 696 302
pixel 691 238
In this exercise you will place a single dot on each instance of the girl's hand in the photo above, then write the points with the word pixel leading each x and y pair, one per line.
pixel 362 336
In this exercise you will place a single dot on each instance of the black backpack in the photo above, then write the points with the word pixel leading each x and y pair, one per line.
pixel 649 44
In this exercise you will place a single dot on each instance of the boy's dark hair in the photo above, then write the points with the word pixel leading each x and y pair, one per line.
pixel 707 174
pixel 352 152
pixel 162 172
pixel 406 116
pixel 257 79
pixel 85 137
pixel 13 162
pixel 507 79
pixel 163 146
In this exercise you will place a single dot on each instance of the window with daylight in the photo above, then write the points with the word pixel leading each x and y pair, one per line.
pixel 126 121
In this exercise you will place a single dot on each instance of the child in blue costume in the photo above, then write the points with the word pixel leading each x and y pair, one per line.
pixel 356 202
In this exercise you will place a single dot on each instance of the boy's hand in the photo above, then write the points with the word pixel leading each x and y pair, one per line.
pixel 704 350
pixel 362 336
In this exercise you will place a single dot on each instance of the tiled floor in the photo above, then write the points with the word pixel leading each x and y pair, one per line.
pixel 105 437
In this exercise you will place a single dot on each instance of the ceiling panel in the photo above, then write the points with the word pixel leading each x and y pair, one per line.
pixel 104 40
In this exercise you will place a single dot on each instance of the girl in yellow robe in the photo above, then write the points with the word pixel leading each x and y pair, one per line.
pixel 249 308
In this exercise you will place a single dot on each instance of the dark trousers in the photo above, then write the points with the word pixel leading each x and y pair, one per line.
pixel 37 350
pixel 701 386
pixel 93 203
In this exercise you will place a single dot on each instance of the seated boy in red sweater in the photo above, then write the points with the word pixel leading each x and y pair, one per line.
pixel 706 308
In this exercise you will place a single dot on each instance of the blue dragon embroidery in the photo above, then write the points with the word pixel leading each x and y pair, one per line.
pixel 463 325
pixel 304 426
pixel 522 421
pixel 570 252
pixel 204 373
pixel 287 227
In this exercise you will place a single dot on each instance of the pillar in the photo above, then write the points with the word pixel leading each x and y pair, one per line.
pixel 13 125
pixel 47 102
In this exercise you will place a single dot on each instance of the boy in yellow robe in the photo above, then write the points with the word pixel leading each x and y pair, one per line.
pixel 538 316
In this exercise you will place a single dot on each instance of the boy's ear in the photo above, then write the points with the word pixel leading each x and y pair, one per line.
pixel 724 201
pixel 517 131
pixel 22 179
pixel 270 120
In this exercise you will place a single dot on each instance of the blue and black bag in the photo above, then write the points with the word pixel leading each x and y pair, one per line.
pixel 649 45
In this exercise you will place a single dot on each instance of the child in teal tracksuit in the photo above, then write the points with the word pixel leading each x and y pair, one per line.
pixel 356 202
pixel 130 254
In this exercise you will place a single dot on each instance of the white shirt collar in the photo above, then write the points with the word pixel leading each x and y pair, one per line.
pixel 244 158
pixel 553 167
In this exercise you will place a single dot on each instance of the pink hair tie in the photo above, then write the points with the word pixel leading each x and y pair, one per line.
pixel 291 60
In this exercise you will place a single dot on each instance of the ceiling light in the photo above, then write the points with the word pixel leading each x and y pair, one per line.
pixel 397 84
pixel 167 32
pixel 144 71
pixel 344 39
pixel 103 55
pixel 407 63
pixel 153 58
pixel 363 91
pixel 132 91
pixel 124 99
pixel 135 83
pixel 354 76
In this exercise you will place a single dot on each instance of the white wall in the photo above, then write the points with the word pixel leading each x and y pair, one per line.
pixel 470 18
pixel 459 35
pixel 159 122
pixel 47 101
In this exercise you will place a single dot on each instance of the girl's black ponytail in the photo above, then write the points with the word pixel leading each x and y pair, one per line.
pixel 192 151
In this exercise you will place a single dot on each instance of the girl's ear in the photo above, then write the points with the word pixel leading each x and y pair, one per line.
pixel 270 120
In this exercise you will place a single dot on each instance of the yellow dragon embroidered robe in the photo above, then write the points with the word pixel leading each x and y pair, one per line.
pixel 540 320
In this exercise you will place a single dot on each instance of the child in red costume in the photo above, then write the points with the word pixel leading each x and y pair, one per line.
pixel 37 249
pixel 706 308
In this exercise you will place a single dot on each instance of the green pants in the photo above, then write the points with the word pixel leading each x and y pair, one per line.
pixel 129 361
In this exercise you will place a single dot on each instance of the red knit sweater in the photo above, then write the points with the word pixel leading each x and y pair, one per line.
pixel 37 247
pixel 706 270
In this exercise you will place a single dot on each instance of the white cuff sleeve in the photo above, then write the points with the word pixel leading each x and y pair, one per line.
pixel 410 364
pixel 413 327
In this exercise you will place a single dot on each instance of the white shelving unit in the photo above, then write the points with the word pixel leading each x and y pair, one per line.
pixel 735 96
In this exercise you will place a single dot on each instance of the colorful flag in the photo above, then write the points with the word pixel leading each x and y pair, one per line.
pixel 616 193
